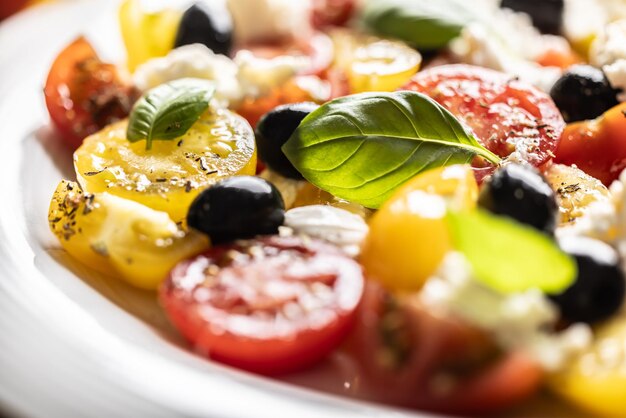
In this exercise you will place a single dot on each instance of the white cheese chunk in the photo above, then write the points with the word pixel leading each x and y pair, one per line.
pixel 195 61
pixel 337 226
pixel 480 46
pixel 246 76
pixel 516 321
pixel 258 21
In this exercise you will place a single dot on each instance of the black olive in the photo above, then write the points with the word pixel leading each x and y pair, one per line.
pixel 237 208
pixel 598 291
pixel 522 193
pixel 274 129
pixel 210 25
pixel 583 92
pixel 547 15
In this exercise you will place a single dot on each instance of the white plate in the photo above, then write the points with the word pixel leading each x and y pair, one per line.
pixel 73 343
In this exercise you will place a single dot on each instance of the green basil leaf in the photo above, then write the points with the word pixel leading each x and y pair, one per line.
pixel 168 111
pixel 363 147
pixel 508 256
pixel 425 24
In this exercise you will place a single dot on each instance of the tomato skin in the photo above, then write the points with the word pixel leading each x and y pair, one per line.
pixel 326 13
pixel 224 322
pixel 83 94
pixel 503 113
pixel 447 367
pixel 597 147
pixel 318 48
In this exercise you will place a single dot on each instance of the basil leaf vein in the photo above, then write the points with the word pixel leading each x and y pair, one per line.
pixel 363 147
pixel 169 110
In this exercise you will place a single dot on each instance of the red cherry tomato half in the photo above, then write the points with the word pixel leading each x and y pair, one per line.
pixel 271 305
pixel 413 358
pixel 326 13
pixel 504 114
pixel 598 147
pixel 84 94
pixel 318 48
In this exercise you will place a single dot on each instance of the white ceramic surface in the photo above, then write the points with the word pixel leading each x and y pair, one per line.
pixel 74 343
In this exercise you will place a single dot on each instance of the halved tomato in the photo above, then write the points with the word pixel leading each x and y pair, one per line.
pixel 271 305
pixel 318 48
pixel 598 146
pixel 415 358
pixel 84 94
pixel 326 13
pixel 504 113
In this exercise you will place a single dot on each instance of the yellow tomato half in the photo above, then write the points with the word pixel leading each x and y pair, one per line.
pixel 119 237
pixel 147 34
pixel 596 380
pixel 409 235
pixel 374 64
pixel 171 174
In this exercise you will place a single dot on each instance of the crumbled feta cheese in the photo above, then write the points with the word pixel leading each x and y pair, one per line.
pixel 516 321
pixel 257 76
pixel 479 45
pixel 246 76
pixel 268 20
pixel 610 45
pixel 195 61
pixel 597 221
pixel 616 74
pixel 329 223
pixel 604 219
pixel 609 52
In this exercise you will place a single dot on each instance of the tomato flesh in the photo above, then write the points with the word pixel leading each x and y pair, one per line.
pixel 84 94
pixel 598 147
pixel 418 359
pixel 272 305
pixel 326 13
pixel 504 114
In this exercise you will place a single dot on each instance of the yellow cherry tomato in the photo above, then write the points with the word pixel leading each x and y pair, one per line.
pixel 119 237
pixel 147 34
pixel 596 380
pixel 375 64
pixel 172 173
pixel 409 236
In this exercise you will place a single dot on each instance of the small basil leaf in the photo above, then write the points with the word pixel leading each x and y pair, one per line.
pixel 508 256
pixel 363 147
pixel 168 111
pixel 425 24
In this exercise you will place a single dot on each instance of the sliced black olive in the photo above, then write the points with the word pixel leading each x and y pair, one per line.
pixel 598 291
pixel 274 129
pixel 207 24
pixel 547 15
pixel 583 92
pixel 237 208
pixel 520 192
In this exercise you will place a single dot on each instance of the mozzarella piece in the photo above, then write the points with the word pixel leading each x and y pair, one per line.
pixel 337 226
